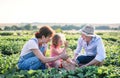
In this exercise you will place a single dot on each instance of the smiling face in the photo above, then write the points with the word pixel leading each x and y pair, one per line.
pixel 44 39
pixel 48 39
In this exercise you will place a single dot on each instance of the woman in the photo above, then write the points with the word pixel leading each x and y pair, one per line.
pixel 33 53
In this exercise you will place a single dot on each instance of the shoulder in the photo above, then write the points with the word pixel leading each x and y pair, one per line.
pixel 80 39
pixel 97 38
pixel 32 42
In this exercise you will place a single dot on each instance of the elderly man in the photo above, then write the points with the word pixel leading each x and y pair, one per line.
pixel 93 46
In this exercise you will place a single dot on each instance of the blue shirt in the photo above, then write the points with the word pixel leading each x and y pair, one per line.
pixel 94 48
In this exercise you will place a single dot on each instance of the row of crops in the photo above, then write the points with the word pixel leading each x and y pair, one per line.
pixel 10 47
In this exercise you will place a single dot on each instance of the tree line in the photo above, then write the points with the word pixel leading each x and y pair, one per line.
pixel 25 27
pixel 73 27
pixel 56 27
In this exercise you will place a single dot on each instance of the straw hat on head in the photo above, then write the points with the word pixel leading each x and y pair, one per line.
pixel 88 30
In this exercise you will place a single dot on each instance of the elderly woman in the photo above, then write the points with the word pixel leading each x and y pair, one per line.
pixel 93 47
pixel 33 53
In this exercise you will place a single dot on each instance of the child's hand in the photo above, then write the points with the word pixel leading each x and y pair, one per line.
pixel 66 44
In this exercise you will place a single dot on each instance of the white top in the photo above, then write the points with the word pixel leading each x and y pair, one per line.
pixel 94 48
pixel 29 45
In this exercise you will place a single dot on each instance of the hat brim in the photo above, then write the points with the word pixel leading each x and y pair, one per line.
pixel 86 33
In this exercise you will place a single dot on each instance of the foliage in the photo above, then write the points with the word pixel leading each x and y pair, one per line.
pixel 25 27
pixel 6 33
pixel 10 47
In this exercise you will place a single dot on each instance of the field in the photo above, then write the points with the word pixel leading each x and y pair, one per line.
pixel 11 45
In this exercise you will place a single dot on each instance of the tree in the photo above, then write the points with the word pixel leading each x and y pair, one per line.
pixel 7 28
pixel 56 27
pixel 0 29
pixel 34 27
pixel 102 28
pixel 14 27
pixel 28 27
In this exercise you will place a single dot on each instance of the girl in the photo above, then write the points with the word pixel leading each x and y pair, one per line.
pixel 56 50
pixel 33 53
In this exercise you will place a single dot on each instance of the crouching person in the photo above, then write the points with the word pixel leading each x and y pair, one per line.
pixel 93 47
pixel 33 53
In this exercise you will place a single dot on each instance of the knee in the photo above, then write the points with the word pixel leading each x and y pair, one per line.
pixel 79 59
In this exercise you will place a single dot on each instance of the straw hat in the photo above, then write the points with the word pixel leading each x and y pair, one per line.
pixel 88 30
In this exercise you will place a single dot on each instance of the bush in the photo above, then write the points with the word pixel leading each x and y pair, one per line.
pixel 87 72
pixel 10 47
pixel 6 33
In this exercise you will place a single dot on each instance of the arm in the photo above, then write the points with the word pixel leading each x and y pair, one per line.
pixel 78 49
pixel 47 59
pixel 46 47
pixel 44 53
pixel 47 65
pixel 93 62
pixel 34 48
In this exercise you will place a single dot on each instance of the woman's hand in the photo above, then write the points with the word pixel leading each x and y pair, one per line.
pixel 47 65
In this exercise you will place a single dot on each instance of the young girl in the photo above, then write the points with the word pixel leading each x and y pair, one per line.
pixel 55 48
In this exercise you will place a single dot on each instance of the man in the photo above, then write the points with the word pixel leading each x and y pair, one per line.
pixel 93 47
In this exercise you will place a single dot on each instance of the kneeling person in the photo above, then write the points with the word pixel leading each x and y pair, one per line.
pixel 93 46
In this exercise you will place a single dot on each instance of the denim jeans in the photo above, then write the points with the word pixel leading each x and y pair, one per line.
pixel 30 61
pixel 84 59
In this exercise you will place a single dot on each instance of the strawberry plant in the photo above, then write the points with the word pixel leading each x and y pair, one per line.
pixel 10 48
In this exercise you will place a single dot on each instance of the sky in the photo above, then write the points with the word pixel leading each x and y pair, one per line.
pixel 60 11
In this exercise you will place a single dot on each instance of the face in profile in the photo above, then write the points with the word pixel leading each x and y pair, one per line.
pixel 48 39
pixel 85 38
pixel 60 42
pixel 45 39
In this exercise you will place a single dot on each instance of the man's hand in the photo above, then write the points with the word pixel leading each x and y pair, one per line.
pixel 75 56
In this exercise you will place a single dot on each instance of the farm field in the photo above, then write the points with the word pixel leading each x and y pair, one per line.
pixel 11 45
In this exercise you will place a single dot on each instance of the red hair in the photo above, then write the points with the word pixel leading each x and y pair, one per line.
pixel 45 31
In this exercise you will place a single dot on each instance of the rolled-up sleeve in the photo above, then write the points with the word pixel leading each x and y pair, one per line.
pixel 79 46
pixel 101 55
